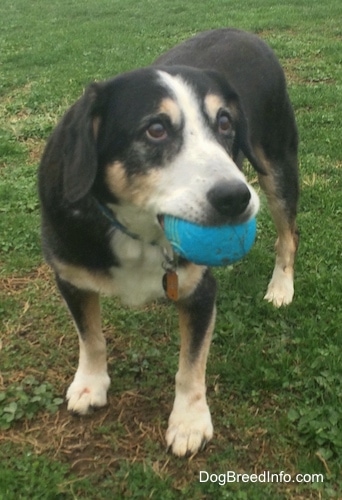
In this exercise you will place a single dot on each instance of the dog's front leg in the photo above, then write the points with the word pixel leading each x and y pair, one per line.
pixel 91 382
pixel 190 426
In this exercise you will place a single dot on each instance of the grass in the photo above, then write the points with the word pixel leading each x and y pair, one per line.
pixel 274 377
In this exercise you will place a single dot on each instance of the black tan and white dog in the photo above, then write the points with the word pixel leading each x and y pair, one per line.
pixel 166 139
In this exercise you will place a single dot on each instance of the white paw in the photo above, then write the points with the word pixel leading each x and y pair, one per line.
pixel 190 428
pixel 280 290
pixel 87 391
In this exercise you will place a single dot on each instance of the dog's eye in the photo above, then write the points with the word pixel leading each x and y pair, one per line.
pixel 156 132
pixel 224 123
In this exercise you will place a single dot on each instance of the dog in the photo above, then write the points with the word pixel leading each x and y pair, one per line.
pixel 166 139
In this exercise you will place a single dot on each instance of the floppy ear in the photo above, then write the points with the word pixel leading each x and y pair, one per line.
pixel 243 142
pixel 79 149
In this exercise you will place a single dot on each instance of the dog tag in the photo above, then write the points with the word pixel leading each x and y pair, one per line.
pixel 170 284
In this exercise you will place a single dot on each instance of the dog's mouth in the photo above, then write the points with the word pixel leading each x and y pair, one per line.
pixel 160 219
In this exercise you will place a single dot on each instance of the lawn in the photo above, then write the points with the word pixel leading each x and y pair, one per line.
pixel 274 376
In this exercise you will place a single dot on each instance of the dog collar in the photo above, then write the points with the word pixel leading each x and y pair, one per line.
pixel 115 223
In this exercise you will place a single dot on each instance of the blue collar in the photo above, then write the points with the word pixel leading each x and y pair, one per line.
pixel 117 225
pixel 114 222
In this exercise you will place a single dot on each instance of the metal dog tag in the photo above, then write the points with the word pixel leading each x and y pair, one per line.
pixel 170 284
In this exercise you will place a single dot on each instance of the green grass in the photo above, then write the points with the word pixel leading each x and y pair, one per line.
pixel 274 376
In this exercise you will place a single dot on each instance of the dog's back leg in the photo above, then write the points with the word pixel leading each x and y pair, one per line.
pixel 281 188
pixel 89 387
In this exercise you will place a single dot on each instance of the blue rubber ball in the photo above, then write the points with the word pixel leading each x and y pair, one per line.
pixel 207 245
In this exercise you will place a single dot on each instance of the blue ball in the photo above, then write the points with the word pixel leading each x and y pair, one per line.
pixel 208 245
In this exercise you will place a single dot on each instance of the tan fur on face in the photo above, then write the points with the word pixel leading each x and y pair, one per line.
pixel 213 103
pixel 136 189
pixel 169 107
pixel 116 178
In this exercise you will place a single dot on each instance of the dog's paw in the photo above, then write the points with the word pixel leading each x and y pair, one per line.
pixel 189 430
pixel 280 290
pixel 87 391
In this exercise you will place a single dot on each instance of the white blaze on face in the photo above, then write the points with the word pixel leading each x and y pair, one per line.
pixel 178 187
pixel 201 163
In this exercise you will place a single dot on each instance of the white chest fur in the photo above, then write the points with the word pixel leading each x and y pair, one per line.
pixel 138 278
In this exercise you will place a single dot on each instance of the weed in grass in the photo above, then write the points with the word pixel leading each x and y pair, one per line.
pixel 318 418
pixel 25 400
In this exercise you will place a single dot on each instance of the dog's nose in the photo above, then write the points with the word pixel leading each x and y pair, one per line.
pixel 229 198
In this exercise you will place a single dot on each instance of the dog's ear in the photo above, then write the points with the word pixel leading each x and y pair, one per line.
pixel 79 145
pixel 242 140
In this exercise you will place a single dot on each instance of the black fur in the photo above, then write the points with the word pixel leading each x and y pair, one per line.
pixel 251 68
pixel 101 161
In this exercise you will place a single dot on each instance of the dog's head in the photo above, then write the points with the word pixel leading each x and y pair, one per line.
pixel 160 141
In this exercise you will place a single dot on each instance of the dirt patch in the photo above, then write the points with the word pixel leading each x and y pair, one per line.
pixel 16 284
